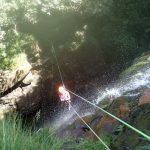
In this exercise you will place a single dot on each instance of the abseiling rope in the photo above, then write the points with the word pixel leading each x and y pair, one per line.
pixel 105 145
pixel 107 148
pixel 54 54
pixel 123 122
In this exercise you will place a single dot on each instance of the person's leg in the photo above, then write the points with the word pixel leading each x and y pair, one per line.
pixel 67 103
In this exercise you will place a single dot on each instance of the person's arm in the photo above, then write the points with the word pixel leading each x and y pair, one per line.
pixel 67 96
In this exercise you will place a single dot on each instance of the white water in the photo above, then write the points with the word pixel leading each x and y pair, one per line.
pixel 119 88
pixel 65 118
pixel 133 82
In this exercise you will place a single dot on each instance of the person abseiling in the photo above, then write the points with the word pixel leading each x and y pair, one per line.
pixel 64 95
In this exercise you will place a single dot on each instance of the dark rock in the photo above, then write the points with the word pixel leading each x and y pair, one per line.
pixel 145 98
pixel 139 118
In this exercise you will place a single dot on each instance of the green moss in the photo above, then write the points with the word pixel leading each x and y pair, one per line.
pixel 105 103
pixel 138 64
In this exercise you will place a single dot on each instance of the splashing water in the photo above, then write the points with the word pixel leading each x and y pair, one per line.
pixel 65 118
pixel 139 79
pixel 121 87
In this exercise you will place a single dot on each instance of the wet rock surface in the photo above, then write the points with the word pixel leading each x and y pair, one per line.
pixel 133 107
pixel 127 109
pixel 139 118
pixel 145 98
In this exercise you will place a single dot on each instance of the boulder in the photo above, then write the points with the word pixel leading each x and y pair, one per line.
pixel 145 98
pixel 25 99
pixel 30 100
pixel 107 125
pixel 127 138
pixel 10 78
pixel 101 123
pixel 28 79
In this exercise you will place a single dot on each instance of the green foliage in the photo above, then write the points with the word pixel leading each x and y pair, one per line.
pixel 79 39
pixel 147 146
pixel 13 48
pixel 12 63
pixel 13 136
pixel 114 28
pixel 89 145
pixel 119 128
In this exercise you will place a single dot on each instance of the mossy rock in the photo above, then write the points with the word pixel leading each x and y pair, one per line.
pixel 105 103
pixel 139 118
pixel 138 64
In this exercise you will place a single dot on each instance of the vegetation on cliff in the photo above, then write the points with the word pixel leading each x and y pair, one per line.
pixel 105 28
pixel 14 135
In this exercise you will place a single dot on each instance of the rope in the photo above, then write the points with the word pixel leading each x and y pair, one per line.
pixel 55 56
pixel 105 145
pixel 126 124
pixel 107 148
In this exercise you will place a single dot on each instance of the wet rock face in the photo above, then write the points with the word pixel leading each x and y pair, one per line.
pixel 101 123
pixel 145 98
pixel 133 108
pixel 125 108
pixel 139 118
pixel 120 108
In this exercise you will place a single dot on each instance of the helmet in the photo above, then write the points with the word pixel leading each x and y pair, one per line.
pixel 61 89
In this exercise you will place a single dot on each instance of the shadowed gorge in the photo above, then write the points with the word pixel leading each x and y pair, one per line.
pixel 102 48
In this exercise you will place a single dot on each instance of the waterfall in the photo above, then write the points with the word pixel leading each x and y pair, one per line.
pixel 135 81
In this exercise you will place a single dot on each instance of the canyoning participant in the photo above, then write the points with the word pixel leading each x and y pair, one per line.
pixel 64 96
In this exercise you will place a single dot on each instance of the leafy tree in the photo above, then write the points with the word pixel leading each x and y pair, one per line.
pixel 112 26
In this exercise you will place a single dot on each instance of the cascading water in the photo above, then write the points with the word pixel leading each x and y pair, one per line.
pixel 127 86
pixel 135 81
